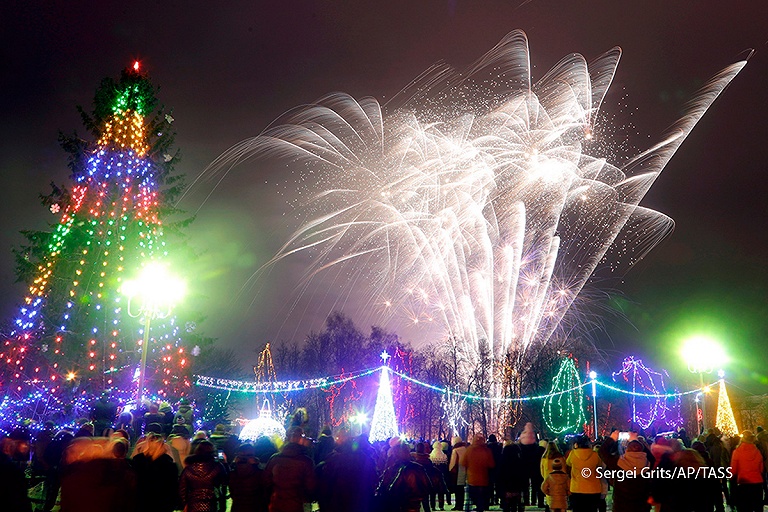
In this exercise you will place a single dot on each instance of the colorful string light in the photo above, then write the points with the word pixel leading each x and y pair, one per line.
pixel 563 410
pixel 646 411
pixel 108 227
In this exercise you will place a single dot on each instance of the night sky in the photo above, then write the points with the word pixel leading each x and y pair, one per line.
pixel 228 69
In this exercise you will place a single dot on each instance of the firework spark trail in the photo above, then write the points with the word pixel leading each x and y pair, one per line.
pixel 471 201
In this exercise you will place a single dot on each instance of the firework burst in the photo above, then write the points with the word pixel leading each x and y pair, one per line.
pixel 471 201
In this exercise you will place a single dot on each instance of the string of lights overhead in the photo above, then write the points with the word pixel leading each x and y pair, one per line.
pixel 323 382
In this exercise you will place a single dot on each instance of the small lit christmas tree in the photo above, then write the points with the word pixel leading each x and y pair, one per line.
pixel 73 330
pixel 725 420
pixel 384 422
pixel 564 411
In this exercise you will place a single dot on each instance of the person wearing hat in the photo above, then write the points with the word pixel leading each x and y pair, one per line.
pixel 557 487
pixel 184 416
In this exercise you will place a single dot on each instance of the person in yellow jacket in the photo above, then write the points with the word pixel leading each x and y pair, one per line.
pixel 551 453
pixel 585 484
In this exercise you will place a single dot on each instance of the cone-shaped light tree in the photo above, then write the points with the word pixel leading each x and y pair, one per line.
pixel 73 328
pixel 725 420
pixel 384 422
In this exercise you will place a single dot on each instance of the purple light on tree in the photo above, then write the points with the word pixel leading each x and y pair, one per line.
pixel 641 381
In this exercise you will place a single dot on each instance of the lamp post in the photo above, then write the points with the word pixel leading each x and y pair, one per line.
pixel 154 294
pixel 702 354
pixel 593 378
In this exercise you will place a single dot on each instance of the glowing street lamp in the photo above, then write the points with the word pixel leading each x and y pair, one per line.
pixel 702 354
pixel 153 294
pixel 360 419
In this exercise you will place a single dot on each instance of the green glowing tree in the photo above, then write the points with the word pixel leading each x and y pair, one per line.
pixel 563 410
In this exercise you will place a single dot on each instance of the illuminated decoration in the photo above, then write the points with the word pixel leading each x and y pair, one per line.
pixel 216 408
pixel 663 410
pixel 153 294
pixel 477 205
pixel 453 411
pixel 265 373
pixel 264 370
pixel 725 420
pixel 286 386
pixel 384 422
pixel 564 412
pixel 264 425
pixel 340 413
pixel 73 319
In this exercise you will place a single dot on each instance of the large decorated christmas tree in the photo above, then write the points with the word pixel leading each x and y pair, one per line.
pixel 74 330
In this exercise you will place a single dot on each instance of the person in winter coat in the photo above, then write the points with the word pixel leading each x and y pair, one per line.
pixel 157 478
pixel 747 470
pixel 435 476
pixel 557 487
pixel 324 445
pixel 168 415
pixel 411 487
pixel 513 478
pixel 13 484
pixel 290 474
pixel 180 446
pixel 495 447
pixel 347 478
pixel 551 452
pixel 184 416
pixel 247 482
pixel 531 453
pixel 457 471
pixel 440 487
pixel 92 478
pixel 585 484
pixel 629 494
pixel 265 449
pixel 202 485
pixel 224 442
pixel 103 414
pixel 478 459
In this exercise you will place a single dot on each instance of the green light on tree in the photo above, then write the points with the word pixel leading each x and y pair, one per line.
pixel 563 410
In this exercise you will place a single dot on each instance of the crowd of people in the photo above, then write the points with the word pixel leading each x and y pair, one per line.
pixel 161 465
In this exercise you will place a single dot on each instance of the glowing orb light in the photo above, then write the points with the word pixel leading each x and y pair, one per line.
pixel 264 425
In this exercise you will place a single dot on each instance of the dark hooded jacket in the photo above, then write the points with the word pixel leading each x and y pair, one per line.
pixel 629 494
pixel 411 487
pixel 347 479
pixel 248 486
pixel 290 474
pixel 201 485
pixel 513 475
pixel 157 482
pixel 98 484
